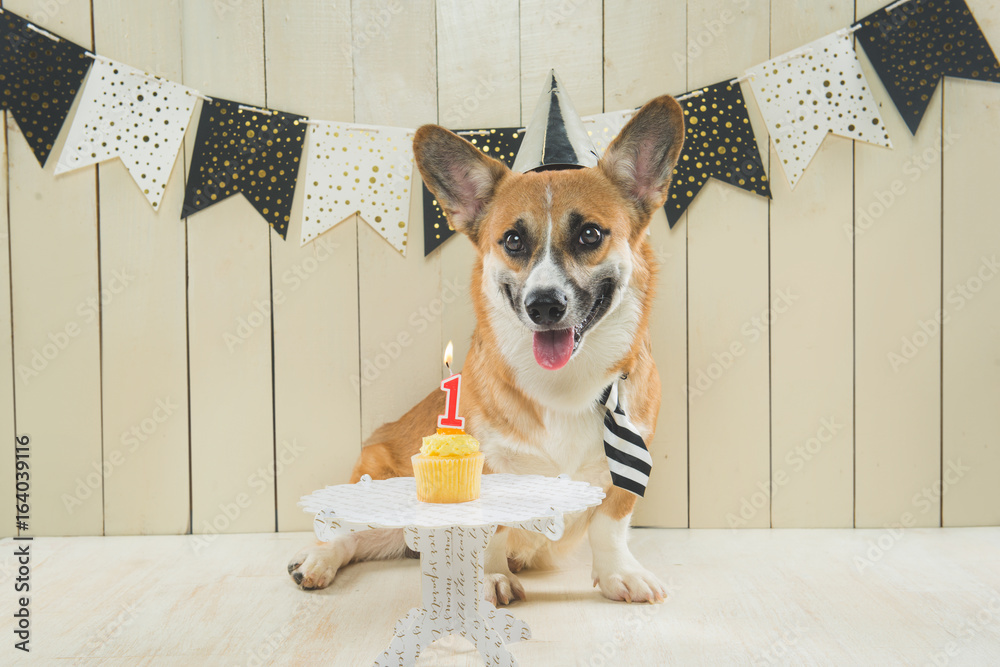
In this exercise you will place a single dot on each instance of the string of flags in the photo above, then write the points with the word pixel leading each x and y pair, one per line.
pixel 141 119
pixel 803 95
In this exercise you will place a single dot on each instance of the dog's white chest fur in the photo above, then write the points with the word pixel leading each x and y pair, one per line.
pixel 569 443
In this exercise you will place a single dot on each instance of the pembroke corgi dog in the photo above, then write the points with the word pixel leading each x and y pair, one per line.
pixel 562 288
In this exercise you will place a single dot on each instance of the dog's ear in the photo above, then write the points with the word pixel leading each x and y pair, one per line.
pixel 462 179
pixel 641 159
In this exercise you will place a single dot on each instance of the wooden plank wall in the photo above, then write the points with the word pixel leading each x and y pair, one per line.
pixel 728 405
pixel 970 383
pixel 897 285
pixel 55 278
pixel 144 319
pixel 811 290
pixel 200 375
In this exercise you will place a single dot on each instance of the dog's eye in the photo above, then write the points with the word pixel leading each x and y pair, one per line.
pixel 590 235
pixel 512 242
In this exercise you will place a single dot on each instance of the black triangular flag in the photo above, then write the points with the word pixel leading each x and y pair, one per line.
pixel 40 77
pixel 242 149
pixel 500 143
pixel 718 143
pixel 914 45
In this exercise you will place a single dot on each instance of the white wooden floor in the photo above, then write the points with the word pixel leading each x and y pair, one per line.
pixel 832 597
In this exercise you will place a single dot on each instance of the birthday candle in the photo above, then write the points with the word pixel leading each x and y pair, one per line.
pixel 452 386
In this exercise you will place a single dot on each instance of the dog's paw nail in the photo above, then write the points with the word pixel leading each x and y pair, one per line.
pixel 632 586
pixel 293 566
pixel 501 589
pixel 297 576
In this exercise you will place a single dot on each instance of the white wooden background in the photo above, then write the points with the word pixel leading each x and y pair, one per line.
pixel 148 419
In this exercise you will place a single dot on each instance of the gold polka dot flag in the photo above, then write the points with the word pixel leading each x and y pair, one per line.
pixel 501 143
pixel 360 169
pixel 131 115
pixel 40 74
pixel 913 45
pixel 807 93
pixel 240 148
pixel 602 128
pixel 719 143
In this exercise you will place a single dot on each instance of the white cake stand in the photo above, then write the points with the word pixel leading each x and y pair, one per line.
pixel 451 539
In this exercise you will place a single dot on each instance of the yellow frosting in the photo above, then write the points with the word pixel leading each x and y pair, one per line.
pixel 449 445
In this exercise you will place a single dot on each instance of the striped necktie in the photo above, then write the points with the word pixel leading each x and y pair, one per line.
pixel 628 458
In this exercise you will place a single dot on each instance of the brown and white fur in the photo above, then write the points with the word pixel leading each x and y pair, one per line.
pixel 529 419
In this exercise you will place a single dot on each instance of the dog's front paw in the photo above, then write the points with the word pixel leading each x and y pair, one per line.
pixel 634 584
pixel 316 566
pixel 502 589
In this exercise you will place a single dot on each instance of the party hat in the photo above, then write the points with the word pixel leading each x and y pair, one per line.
pixel 555 138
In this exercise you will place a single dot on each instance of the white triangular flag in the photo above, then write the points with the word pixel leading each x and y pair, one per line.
pixel 359 169
pixel 604 127
pixel 136 117
pixel 811 91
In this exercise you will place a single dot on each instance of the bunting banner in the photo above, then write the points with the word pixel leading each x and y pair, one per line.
pixel 139 118
pixel 812 91
pixel 41 74
pixel 500 143
pixel 359 169
pixel 915 44
pixel 240 148
pixel 604 127
pixel 719 143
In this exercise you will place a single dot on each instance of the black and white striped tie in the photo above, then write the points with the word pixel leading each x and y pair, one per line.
pixel 628 458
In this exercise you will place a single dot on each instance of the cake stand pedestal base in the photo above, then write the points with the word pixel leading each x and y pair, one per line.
pixel 452 575
pixel 452 540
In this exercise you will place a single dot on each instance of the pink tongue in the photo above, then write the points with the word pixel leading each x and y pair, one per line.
pixel 553 348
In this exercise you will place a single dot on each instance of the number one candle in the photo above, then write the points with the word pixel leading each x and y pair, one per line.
pixel 452 386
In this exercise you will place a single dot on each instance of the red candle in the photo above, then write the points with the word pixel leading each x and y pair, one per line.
pixel 452 386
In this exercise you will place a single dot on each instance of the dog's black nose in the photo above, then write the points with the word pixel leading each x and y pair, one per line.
pixel 545 306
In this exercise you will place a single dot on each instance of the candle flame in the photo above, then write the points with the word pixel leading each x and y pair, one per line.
pixel 449 352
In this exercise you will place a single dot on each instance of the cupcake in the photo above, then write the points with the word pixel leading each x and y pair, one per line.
pixel 448 468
